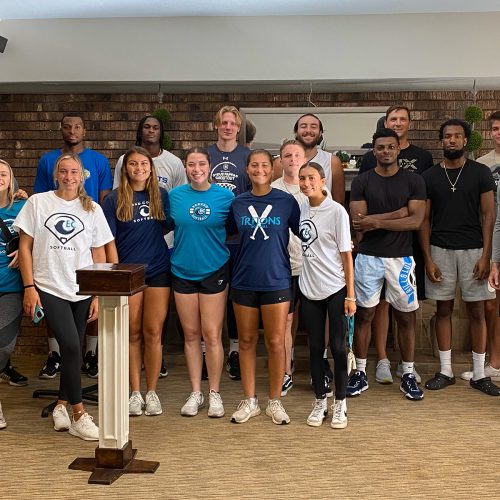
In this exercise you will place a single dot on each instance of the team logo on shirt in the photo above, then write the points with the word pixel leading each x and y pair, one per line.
pixel 308 234
pixel 407 279
pixel 409 165
pixel 86 173
pixel 225 174
pixel 64 226
pixel 200 211
pixel 8 222
pixel 260 222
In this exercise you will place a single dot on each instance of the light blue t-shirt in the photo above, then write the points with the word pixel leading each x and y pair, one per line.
pixel 10 279
pixel 97 172
pixel 200 230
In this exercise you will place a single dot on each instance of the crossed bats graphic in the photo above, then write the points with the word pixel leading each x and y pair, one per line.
pixel 264 214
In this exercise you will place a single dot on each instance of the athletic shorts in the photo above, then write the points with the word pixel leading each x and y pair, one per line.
pixel 160 280
pixel 256 299
pixel 398 273
pixel 456 266
pixel 215 283
pixel 295 294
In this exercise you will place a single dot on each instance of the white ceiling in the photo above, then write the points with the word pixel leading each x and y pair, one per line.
pixel 56 9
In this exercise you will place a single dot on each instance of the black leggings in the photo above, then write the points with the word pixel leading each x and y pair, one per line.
pixel 314 317
pixel 11 313
pixel 68 321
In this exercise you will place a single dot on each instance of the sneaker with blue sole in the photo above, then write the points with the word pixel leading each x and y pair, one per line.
pixel 358 383
pixel 410 387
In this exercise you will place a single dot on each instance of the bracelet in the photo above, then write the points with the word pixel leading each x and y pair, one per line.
pixel 350 299
pixel 28 286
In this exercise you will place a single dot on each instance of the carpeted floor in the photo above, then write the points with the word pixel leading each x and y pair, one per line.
pixel 446 446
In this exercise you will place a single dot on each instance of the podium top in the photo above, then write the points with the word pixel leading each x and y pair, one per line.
pixel 111 279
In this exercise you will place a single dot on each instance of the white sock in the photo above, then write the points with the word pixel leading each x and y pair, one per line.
pixel 478 365
pixel 325 354
pixel 445 359
pixel 407 367
pixel 53 345
pixel 361 365
pixel 203 348
pixel 234 345
pixel 91 343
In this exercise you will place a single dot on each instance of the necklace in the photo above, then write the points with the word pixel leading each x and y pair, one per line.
pixel 452 184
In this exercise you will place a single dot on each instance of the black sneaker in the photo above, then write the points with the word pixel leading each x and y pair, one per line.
pixel 233 365
pixel 13 377
pixel 204 371
pixel 163 369
pixel 328 371
pixel 485 385
pixel 52 366
pixel 90 364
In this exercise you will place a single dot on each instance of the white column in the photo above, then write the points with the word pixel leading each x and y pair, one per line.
pixel 113 372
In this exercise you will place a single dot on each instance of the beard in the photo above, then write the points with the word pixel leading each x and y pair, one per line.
pixel 311 141
pixel 453 154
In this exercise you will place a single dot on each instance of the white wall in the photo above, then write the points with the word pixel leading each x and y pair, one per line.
pixel 213 49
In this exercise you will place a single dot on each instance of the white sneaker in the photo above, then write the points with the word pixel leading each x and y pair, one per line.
pixel 3 423
pixel 193 403
pixel 247 409
pixel 489 371
pixel 399 372
pixel 85 428
pixel 153 405
pixel 215 406
pixel 276 411
pixel 383 372
pixel 339 417
pixel 135 404
pixel 318 414
pixel 61 418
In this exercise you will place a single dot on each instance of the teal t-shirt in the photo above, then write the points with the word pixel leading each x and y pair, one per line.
pixel 200 230
pixel 10 279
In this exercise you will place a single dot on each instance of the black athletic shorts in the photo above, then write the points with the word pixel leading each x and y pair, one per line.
pixel 256 299
pixel 160 280
pixel 215 283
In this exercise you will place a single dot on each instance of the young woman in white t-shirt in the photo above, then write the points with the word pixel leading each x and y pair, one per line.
pixel 327 286
pixel 62 231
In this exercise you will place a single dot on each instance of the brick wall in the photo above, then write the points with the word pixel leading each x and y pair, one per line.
pixel 29 127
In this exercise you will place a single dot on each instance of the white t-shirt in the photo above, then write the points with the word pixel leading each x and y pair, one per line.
pixel 324 158
pixel 325 233
pixel 170 172
pixel 294 243
pixel 63 235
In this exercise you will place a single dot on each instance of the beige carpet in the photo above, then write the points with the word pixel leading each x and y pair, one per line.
pixel 446 446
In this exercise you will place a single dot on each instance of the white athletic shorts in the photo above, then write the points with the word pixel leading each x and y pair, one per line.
pixel 370 272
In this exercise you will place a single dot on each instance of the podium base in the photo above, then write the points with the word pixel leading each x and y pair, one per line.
pixel 109 464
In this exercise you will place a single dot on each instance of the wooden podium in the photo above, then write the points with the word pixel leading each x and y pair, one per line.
pixel 114 456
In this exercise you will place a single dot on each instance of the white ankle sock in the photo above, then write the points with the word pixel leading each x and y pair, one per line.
pixel 91 342
pixel 478 365
pixel 445 359
pixel 53 345
pixel 234 345
pixel 361 365
pixel 407 367
pixel 325 354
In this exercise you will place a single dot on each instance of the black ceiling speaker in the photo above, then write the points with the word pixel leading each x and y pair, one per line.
pixel 3 43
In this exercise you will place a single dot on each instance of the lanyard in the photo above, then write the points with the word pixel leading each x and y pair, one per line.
pixel 350 329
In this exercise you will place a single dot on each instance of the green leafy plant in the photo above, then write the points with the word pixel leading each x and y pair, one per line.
pixel 165 117
pixel 473 114
pixel 343 156
pixel 475 141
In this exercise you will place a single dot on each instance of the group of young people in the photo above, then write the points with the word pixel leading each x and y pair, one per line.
pixel 238 230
